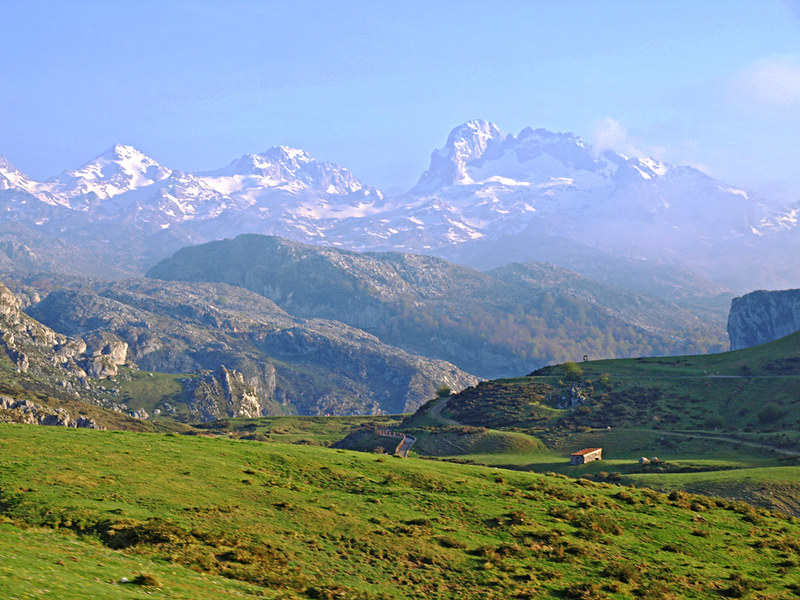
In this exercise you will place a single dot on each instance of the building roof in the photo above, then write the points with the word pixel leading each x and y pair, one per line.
pixel 585 451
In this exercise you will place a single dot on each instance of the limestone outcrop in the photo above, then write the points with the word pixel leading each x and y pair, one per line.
pixel 26 411
pixel 763 316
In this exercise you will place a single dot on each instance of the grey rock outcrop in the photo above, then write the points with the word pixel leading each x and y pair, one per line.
pixel 224 393
pixel 291 365
pixel 33 347
pixel 25 411
pixel 104 353
pixel 763 316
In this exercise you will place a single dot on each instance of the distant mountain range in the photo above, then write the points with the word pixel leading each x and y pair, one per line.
pixel 487 199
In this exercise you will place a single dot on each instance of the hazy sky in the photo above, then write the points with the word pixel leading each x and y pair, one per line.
pixel 377 85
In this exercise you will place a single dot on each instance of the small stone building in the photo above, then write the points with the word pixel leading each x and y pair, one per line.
pixel 586 455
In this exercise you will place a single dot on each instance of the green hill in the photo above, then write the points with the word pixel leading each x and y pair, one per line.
pixel 195 517
pixel 751 391
pixel 493 324
pixel 725 424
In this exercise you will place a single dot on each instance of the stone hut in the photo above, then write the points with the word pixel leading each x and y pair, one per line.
pixel 586 455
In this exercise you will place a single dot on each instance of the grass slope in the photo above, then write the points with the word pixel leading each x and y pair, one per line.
pixel 295 521
pixel 725 423
pixel 40 562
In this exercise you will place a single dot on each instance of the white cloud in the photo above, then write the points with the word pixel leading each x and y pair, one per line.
pixel 770 83
pixel 610 134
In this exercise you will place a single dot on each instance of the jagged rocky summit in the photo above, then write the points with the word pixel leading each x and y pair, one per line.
pixel 487 198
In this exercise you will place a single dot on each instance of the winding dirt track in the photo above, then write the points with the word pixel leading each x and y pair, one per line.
pixel 436 412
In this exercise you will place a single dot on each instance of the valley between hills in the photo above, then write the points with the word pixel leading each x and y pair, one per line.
pixel 183 416
pixel 696 495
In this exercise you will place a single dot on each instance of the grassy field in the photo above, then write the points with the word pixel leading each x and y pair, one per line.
pixel 38 562
pixel 189 516
pixel 727 424
pixel 308 430
pixel 149 391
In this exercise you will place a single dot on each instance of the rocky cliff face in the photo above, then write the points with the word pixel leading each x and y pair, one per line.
pixel 763 316
pixel 25 411
pixel 31 346
pixel 223 393
pixel 262 360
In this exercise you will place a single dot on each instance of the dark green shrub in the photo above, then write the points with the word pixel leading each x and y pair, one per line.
pixel 572 371
pixel 125 534
pixel 770 413
pixel 624 572
pixel 584 591
pixel 447 541
pixel 146 580
pixel 625 497
pixel 739 587
pixel 598 522
pixel 655 590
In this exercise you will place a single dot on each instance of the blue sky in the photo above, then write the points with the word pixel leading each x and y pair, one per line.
pixel 376 86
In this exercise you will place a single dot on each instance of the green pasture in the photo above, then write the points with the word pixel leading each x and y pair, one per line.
pixel 280 520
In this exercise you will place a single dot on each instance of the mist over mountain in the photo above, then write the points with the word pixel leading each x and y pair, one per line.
pixel 488 198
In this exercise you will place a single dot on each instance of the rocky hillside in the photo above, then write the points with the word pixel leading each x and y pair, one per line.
pixel 47 378
pixel 763 316
pixel 37 350
pixel 253 358
pixel 501 323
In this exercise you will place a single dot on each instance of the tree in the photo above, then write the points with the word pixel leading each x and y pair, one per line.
pixel 572 371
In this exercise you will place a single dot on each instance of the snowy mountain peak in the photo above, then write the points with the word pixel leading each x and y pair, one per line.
pixel 289 156
pixel 13 179
pixel 289 169
pixel 279 163
pixel 119 169
pixel 479 152
pixel 649 168
pixel 470 139
pixel 465 143
pixel 545 137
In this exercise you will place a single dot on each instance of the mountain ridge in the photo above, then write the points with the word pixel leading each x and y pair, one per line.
pixel 483 189
pixel 491 324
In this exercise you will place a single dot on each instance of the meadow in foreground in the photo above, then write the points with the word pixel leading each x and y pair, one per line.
pixel 182 514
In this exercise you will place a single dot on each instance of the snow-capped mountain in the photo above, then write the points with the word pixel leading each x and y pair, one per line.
pixel 487 198
pixel 511 194
pixel 118 170
pixel 556 181
pixel 287 168
pixel 13 179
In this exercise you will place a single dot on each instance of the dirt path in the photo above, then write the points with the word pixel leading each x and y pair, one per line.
pixel 722 438
pixel 436 412
pixel 405 445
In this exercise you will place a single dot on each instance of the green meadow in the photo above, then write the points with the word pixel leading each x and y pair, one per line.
pixel 192 516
